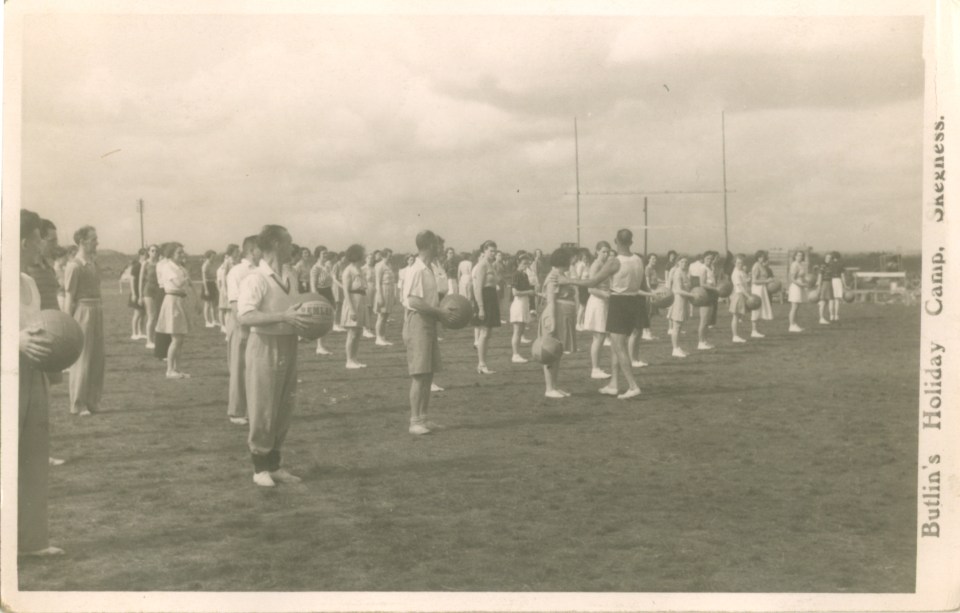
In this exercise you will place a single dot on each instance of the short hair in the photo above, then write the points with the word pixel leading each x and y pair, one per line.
pixel 29 221
pixel 354 253
pixel 170 249
pixel 524 256
pixel 318 250
pixel 801 252
pixel 249 243
pixel 673 253
pixel 45 226
pixel 83 234
pixel 232 249
pixel 60 252
pixel 142 252
pixel 652 256
pixel 295 253
pixel 759 255
pixel 487 244
pixel 72 250
pixel 427 238
pixel 624 237
pixel 209 253
pixel 603 245
pixel 560 258
pixel 270 236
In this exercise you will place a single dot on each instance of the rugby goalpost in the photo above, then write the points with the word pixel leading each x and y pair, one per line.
pixel 647 193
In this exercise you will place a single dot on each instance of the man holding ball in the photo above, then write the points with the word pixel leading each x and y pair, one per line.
pixel 421 312
pixel 267 302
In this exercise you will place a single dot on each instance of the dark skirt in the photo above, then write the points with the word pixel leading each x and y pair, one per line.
pixel 491 309
pixel 210 292
pixel 584 295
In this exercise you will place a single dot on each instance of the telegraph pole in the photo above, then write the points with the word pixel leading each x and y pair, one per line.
pixel 576 153
pixel 140 210
pixel 723 149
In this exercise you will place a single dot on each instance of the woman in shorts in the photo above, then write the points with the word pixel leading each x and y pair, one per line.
pixel 795 294
pixel 208 290
pixel 839 286
pixel 486 303
pixel 520 307
pixel 680 286
pixel 354 312
pixel 595 313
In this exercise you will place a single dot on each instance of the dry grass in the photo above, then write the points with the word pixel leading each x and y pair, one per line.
pixel 783 465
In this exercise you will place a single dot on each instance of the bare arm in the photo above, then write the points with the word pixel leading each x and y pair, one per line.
pixel 610 268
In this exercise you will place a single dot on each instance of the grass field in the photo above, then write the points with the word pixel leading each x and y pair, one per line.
pixel 785 465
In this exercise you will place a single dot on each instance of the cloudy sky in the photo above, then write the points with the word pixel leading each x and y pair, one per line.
pixel 365 128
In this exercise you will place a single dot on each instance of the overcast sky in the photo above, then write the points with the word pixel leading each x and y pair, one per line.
pixel 366 129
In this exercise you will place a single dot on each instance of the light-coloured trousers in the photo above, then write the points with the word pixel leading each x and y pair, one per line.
pixel 33 461
pixel 236 360
pixel 86 374
pixel 271 385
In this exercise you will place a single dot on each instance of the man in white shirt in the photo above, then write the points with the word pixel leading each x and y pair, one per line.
pixel 237 334
pixel 385 289
pixel 422 310
pixel 267 303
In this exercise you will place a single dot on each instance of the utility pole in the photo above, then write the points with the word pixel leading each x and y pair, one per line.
pixel 723 149
pixel 576 153
pixel 140 210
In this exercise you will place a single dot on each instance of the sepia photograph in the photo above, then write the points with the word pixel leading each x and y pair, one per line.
pixel 420 306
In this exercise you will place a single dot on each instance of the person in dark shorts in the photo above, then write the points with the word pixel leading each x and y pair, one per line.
pixel 486 302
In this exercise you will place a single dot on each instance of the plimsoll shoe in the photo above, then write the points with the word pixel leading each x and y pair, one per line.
pixel 631 393
pixel 282 476
pixel 757 335
pixel 738 339
pixel 419 429
pixel 609 391
pixel 263 479
pixel 596 373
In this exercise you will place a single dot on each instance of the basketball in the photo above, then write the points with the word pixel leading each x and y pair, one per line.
pixel 811 278
pixel 752 302
pixel 774 286
pixel 662 298
pixel 848 295
pixel 315 304
pixel 700 297
pixel 462 311
pixel 547 350
pixel 813 295
pixel 725 288
pixel 65 336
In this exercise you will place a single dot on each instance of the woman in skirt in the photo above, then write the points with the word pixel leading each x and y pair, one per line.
pixel 321 282
pixel 370 276
pixel 680 286
pixel 797 286
pixel 595 313
pixel 738 299
pixel 520 307
pixel 172 318
pixel 486 304
pixel 354 312
pixel 760 276
pixel 824 286
pixel 558 318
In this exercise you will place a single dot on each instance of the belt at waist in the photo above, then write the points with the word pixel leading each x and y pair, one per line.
pixel 625 294
pixel 358 291
pixel 177 294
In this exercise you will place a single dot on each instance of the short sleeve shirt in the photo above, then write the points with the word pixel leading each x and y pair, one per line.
pixel 82 280
pixel 263 290
pixel 521 281
pixel 236 275
pixel 419 281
